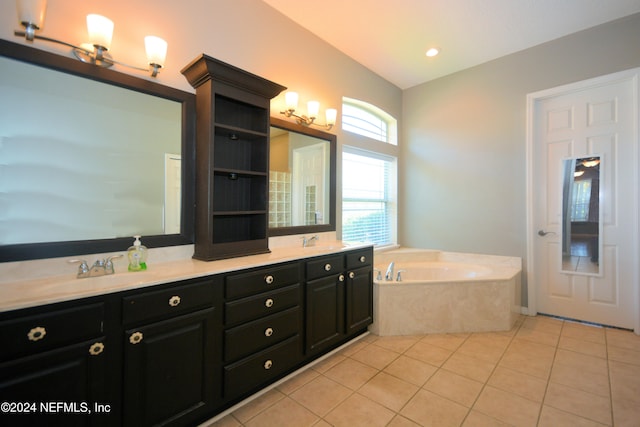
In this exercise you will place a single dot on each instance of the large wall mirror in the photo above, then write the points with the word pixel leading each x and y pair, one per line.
pixel 90 157
pixel 581 216
pixel 302 179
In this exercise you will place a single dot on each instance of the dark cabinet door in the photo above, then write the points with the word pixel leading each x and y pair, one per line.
pixel 359 299
pixel 325 312
pixel 58 388
pixel 168 371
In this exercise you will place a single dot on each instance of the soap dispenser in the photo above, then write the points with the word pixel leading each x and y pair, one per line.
pixel 137 255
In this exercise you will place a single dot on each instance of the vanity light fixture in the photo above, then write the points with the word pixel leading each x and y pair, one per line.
pixel 589 163
pixel 313 108
pixel 31 17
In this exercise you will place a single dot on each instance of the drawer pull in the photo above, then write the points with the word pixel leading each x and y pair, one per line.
pixel 352 275
pixel 268 332
pixel 96 348
pixel 327 267
pixel 268 279
pixel 174 301
pixel 135 337
pixel 341 278
pixel 37 333
pixel 268 364
pixel 268 303
pixel 363 258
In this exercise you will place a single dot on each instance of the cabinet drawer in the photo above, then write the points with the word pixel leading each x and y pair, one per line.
pixel 258 281
pixel 253 307
pixel 324 266
pixel 253 336
pixel 170 301
pixel 359 258
pixel 36 333
pixel 247 374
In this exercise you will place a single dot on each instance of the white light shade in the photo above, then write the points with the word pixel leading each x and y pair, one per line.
pixel 331 115
pixel 156 50
pixel 100 30
pixel 313 107
pixel 291 100
pixel 31 11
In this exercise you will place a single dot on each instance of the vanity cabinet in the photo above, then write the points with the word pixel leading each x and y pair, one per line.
pixel 170 344
pixel 58 354
pixel 262 327
pixel 339 298
pixel 232 159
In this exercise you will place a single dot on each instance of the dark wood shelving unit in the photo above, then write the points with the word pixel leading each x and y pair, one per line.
pixel 232 159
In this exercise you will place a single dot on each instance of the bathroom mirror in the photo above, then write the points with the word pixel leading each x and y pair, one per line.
pixel 90 157
pixel 581 225
pixel 302 179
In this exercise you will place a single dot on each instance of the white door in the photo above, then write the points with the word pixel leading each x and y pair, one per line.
pixel 309 197
pixel 595 119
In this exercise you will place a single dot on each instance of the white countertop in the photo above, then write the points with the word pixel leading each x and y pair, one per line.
pixel 16 294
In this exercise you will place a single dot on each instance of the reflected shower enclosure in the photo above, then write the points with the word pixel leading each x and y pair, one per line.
pixel 581 225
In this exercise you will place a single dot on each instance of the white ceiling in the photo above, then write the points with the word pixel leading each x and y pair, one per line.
pixel 390 37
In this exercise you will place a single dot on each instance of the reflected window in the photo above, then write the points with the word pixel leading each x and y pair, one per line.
pixel 581 200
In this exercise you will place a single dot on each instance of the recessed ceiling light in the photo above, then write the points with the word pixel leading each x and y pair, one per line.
pixel 432 52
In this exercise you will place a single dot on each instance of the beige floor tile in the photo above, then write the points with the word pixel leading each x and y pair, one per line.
pixel 623 339
pixel 575 377
pixel 448 341
pixel 470 367
pixel 594 334
pixel 398 344
pixel 511 381
pixel 322 423
pixel 552 417
pixel 478 419
pixel 582 346
pixel 328 363
pixel 358 411
pixel 351 373
pixel 429 409
pixel 388 391
pixel 526 364
pixel 257 405
pixel 284 413
pixel 375 356
pixel 624 355
pixel 400 421
pixel 626 413
pixel 507 407
pixel 429 353
pixel 577 402
pixel 321 395
pixel 454 387
pixel 353 348
pixel 625 381
pixel 584 362
pixel 538 336
pixel 490 349
pixel 548 325
pixel 298 381
pixel 228 421
pixel 411 370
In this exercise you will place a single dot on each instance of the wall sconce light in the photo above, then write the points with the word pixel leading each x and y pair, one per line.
pixel 31 17
pixel 313 108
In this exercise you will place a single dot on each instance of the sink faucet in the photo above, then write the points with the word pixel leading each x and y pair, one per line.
pixel 309 241
pixel 101 267
pixel 389 274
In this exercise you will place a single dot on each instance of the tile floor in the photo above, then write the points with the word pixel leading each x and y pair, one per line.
pixel 544 372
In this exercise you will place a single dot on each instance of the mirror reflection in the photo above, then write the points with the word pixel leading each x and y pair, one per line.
pixel 301 179
pixel 581 228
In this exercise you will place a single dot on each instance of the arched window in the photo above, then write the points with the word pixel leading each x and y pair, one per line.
pixel 368 120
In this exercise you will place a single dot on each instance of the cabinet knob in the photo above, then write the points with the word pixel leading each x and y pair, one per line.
pixel 268 332
pixel 341 278
pixel 268 303
pixel 363 258
pixel 96 348
pixel 174 301
pixel 352 275
pixel 37 333
pixel 327 267
pixel 268 279
pixel 268 364
pixel 135 337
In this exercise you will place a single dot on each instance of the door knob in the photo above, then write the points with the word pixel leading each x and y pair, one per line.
pixel 544 233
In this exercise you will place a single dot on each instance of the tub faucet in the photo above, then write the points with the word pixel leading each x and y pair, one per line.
pixel 389 274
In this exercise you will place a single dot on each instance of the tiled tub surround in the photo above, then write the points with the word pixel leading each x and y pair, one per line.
pixel 38 282
pixel 445 292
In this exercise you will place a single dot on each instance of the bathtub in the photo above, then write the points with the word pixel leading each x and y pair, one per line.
pixel 444 292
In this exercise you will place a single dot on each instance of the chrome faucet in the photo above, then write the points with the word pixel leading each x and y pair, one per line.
pixel 389 274
pixel 309 241
pixel 101 267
